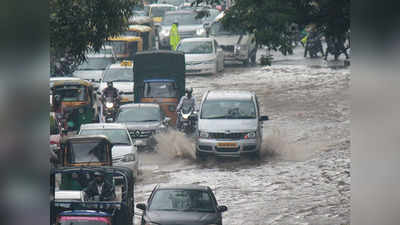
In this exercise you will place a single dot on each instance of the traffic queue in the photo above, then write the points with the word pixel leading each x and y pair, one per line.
pixel 120 99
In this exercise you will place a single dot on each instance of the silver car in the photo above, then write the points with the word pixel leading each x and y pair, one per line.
pixel 229 124
pixel 188 25
pixel 124 152
pixel 143 121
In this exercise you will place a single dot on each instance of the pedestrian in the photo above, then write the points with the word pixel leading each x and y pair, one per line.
pixel 174 36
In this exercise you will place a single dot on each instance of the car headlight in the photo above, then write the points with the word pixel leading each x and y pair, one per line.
pixel 164 32
pixel 250 135
pixel 201 31
pixel 128 158
pixel 211 61
pixel 109 104
pixel 203 134
pixel 240 47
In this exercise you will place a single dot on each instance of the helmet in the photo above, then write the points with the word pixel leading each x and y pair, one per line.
pixel 109 84
pixel 176 22
pixel 189 91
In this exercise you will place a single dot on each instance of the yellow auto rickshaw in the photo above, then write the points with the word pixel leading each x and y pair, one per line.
pixel 145 32
pixel 125 47
pixel 73 101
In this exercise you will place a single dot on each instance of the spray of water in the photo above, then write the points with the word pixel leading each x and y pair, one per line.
pixel 174 144
pixel 276 145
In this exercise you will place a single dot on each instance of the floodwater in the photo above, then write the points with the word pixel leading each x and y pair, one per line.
pixel 303 176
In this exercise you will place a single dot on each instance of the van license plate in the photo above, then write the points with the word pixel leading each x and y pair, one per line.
pixel 227 145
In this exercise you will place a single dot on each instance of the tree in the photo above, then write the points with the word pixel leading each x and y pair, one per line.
pixel 270 19
pixel 77 26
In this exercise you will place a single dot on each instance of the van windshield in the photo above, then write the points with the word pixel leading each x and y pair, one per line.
pixel 228 109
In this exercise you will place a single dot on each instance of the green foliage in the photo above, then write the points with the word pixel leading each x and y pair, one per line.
pixel 270 19
pixel 77 25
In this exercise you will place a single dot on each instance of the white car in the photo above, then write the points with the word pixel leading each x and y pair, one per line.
pixel 121 74
pixel 124 152
pixel 202 55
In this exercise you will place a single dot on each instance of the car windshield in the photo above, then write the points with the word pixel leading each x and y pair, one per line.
pixel 71 93
pixel 182 18
pixel 139 13
pixel 182 200
pixel 83 222
pixel 159 89
pixel 131 33
pixel 96 63
pixel 106 51
pixel 84 152
pixel 159 11
pixel 196 47
pixel 228 109
pixel 118 75
pixel 139 114
pixel 116 136
pixel 217 29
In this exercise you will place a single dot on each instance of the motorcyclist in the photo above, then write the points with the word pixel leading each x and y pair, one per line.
pixel 111 91
pixel 186 101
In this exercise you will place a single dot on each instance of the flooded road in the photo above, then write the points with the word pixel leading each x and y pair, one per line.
pixel 304 174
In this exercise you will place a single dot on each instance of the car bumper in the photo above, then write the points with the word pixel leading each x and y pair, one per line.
pixel 201 69
pixel 236 148
pixel 149 142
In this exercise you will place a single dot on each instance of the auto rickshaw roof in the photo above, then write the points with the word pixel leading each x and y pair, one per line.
pixel 139 28
pixel 158 80
pixel 85 138
pixel 125 38
pixel 62 81
pixel 85 213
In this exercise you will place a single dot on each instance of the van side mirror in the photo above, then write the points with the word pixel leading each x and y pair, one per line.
pixel 264 118
pixel 222 208
pixel 141 206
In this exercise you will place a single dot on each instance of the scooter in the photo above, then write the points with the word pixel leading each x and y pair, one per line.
pixel 187 118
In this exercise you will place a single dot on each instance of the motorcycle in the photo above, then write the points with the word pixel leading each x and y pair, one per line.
pixel 187 118
pixel 110 109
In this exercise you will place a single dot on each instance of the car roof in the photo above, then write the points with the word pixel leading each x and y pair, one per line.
pixel 132 105
pixel 103 126
pixel 183 187
pixel 229 94
pixel 197 39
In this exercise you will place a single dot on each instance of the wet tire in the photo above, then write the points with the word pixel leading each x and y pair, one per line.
pixel 201 156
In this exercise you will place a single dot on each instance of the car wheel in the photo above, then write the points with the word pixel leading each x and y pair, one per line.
pixel 200 156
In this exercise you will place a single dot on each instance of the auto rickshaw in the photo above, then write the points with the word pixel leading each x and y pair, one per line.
pixel 73 101
pixel 160 78
pixel 93 150
pixel 125 47
pixel 145 32
pixel 118 211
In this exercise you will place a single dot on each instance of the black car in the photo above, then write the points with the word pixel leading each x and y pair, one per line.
pixel 183 204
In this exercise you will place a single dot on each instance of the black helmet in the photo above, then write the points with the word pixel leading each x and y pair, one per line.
pixel 189 91
pixel 109 83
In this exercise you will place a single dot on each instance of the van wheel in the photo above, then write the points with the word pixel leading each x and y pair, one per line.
pixel 200 156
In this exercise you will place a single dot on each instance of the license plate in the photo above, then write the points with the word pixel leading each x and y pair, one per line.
pixel 227 145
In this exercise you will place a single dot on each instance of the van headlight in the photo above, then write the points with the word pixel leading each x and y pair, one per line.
pixel 201 31
pixel 250 135
pixel 203 134
pixel 128 158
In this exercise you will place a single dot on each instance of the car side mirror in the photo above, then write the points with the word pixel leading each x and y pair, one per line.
pixel 264 118
pixel 222 208
pixel 141 206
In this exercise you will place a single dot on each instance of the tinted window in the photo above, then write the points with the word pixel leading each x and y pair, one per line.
pixel 182 200
pixel 139 114
pixel 87 152
pixel 196 47
pixel 118 75
pixel 183 19
pixel 228 109
pixel 159 89
pixel 116 136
